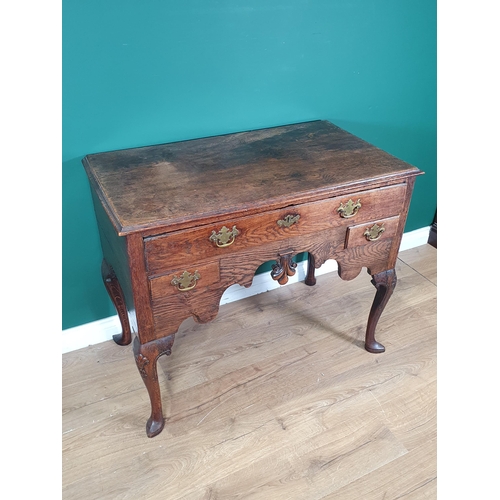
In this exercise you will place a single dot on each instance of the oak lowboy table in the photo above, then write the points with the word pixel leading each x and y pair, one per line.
pixel 181 222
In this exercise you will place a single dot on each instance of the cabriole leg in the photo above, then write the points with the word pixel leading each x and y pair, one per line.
pixel 385 283
pixel 310 278
pixel 146 357
pixel 115 292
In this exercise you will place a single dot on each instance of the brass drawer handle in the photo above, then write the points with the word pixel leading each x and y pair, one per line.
pixel 224 237
pixel 374 233
pixel 186 282
pixel 350 209
pixel 288 221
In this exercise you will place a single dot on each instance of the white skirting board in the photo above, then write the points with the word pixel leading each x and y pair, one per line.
pixel 104 329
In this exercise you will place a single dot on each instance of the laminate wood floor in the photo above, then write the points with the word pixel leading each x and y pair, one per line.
pixel 275 399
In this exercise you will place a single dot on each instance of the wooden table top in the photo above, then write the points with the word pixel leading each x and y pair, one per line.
pixel 188 183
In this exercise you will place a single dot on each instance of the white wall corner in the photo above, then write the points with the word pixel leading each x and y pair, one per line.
pixel 103 330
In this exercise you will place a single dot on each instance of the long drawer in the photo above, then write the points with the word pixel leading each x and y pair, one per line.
pixel 170 251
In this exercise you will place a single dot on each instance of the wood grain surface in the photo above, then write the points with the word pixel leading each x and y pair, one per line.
pixel 188 183
pixel 168 251
pixel 274 399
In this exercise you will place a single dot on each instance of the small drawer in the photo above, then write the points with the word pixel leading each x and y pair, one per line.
pixel 184 281
pixel 364 234
pixel 172 250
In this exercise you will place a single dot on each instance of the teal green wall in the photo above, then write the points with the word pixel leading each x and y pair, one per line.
pixel 139 72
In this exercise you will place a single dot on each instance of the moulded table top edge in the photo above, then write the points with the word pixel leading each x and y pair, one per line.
pixel 274 200
pixel 210 218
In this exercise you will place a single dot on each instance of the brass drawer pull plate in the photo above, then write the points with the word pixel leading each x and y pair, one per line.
pixel 350 209
pixel 288 221
pixel 224 237
pixel 374 232
pixel 187 281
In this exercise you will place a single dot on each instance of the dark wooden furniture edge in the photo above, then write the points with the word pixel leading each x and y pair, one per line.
pixel 433 238
pixel 244 210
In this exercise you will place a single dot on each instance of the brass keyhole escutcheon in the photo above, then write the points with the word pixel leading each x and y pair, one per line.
pixel 224 237
pixel 350 209
pixel 186 281
pixel 374 232
pixel 288 221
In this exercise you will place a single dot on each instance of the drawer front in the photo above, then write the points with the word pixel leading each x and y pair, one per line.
pixel 369 232
pixel 176 296
pixel 184 281
pixel 173 250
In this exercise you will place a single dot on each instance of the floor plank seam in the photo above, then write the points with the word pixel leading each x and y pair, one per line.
pixel 420 274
